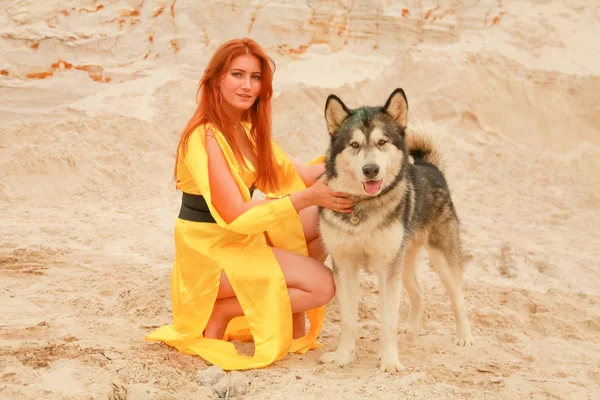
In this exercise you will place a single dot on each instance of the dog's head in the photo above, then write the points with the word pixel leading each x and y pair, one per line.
pixel 367 148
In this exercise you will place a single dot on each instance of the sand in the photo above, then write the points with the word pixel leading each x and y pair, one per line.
pixel 93 96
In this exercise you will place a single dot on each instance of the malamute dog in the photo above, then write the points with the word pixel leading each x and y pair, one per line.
pixel 401 206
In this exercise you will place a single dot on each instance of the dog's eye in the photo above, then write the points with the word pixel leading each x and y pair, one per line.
pixel 354 145
pixel 382 142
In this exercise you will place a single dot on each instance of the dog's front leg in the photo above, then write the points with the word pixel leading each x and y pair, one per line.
pixel 389 293
pixel 346 276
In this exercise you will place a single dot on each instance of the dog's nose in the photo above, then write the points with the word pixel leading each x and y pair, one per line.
pixel 371 170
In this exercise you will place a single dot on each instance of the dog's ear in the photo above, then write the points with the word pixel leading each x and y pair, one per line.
pixel 335 113
pixel 397 107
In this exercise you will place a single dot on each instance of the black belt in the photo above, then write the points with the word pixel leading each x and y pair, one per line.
pixel 194 208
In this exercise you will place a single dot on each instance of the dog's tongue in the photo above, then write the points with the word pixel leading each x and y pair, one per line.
pixel 372 187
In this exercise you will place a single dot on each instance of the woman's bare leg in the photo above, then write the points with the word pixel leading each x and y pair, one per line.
pixel 299 318
pixel 310 225
pixel 227 307
pixel 310 285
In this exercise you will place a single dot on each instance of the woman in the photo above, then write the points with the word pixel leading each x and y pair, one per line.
pixel 246 269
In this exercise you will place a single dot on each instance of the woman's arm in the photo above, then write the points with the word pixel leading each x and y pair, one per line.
pixel 225 194
pixel 309 173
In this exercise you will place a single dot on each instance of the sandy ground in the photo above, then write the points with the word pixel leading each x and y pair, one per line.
pixel 93 96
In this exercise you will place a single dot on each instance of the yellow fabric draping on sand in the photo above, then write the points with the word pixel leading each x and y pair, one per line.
pixel 203 250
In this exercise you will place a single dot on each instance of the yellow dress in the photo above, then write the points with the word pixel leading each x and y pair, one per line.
pixel 203 250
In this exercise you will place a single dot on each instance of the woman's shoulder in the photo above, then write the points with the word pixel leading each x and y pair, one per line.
pixel 206 128
pixel 203 132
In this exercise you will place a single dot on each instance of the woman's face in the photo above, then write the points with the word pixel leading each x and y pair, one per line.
pixel 241 85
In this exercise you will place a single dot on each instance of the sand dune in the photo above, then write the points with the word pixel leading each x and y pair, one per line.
pixel 93 96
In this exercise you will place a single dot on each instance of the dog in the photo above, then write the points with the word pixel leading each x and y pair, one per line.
pixel 402 204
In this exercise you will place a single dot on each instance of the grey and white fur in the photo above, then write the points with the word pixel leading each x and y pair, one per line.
pixel 401 207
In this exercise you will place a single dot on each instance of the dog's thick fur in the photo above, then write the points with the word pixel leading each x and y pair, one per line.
pixel 401 206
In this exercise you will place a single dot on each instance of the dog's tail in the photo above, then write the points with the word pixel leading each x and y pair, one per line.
pixel 423 146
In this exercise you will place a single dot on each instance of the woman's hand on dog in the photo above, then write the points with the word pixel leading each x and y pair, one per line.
pixel 325 196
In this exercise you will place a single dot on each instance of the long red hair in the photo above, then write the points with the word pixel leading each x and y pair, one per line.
pixel 259 114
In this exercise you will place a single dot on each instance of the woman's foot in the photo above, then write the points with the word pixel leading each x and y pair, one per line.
pixel 299 324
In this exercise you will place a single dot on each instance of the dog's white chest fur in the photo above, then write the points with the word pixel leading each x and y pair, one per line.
pixel 362 243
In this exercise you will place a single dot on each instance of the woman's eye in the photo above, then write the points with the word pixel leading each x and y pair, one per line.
pixel 256 77
pixel 382 142
pixel 236 74
pixel 354 145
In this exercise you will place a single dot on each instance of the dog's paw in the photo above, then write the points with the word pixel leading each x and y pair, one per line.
pixel 341 359
pixel 464 337
pixel 328 358
pixel 390 364
pixel 465 341
pixel 463 333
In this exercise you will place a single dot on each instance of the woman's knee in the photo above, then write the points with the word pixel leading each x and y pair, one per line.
pixel 325 289
pixel 306 274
